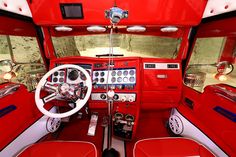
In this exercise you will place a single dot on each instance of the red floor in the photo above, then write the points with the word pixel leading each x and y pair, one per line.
pixel 76 130
pixel 151 125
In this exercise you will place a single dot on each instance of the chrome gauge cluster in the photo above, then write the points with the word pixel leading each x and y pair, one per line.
pixel 58 77
pixel 118 76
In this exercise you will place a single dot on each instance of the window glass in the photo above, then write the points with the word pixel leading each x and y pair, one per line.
pixel 206 56
pixel 25 56
pixel 125 44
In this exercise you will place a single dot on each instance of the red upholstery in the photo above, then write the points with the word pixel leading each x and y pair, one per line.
pixel 60 149
pixel 169 147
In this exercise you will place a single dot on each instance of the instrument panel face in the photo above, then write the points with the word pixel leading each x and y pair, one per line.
pixel 58 77
pixel 115 76
pixel 71 76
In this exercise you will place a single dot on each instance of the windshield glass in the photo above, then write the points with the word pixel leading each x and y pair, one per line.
pixel 124 44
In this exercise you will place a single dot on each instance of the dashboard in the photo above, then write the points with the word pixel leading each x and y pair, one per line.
pixel 138 83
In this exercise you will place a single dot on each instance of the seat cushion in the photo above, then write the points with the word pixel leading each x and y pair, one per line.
pixel 60 149
pixel 169 147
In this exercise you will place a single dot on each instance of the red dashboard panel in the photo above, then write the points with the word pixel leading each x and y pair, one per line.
pixel 134 85
pixel 161 86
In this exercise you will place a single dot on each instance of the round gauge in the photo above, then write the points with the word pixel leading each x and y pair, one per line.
pixel 88 72
pixel 56 73
pixel 131 79
pixel 131 72
pixel 82 77
pixel 61 79
pixel 96 73
pixel 125 73
pixel 62 73
pixel 96 79
pixel 113 79
pixel 73 75
pixel 102 74
pixel 102 80
pixel 119 73
pixel 119 79
pixel 55 79
pixel 113 73
pixel 125 79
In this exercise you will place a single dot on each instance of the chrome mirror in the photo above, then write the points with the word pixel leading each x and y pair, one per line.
pixel 224 67
pixel 5 66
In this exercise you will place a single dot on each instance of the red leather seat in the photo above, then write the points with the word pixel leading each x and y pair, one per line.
pixel 169 147
pixel 60 149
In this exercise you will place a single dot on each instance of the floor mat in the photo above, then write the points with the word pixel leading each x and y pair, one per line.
pixel 76 130
pixel 151 125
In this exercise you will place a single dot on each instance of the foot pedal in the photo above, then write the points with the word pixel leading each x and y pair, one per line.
pixel 93 124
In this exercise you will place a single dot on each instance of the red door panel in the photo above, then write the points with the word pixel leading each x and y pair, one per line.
pixel 16 121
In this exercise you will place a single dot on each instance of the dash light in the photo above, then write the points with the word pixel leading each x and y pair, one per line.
pixel 96 29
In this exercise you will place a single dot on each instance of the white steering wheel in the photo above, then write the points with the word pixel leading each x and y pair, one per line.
pixel 43 83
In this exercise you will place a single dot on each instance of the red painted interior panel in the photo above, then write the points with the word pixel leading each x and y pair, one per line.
pixel 17 121
pixel 217 127
pixel 224 27
pixel 160 93
pixel 141 12
pixel 10 26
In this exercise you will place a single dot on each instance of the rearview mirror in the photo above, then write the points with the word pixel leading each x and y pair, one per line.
pixel 5 66
pixel 224 67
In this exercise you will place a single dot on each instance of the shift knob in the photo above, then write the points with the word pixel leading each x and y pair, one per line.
pixel 110 93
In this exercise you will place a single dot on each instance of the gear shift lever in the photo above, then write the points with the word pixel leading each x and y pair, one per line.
pixel 109 151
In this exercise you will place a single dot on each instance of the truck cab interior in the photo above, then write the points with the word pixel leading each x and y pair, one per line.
pixel 117 78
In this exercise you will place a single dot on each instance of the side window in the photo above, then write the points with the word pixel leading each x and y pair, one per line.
pixel 206 56
pixel 25 56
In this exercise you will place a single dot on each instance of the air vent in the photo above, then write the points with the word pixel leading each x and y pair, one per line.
pixel 172 66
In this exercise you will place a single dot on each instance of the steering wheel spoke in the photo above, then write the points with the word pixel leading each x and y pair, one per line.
pixel 50 86
pixel 49 97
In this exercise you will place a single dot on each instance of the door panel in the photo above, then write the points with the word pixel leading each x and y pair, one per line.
pixel 23 114
pixel 208 101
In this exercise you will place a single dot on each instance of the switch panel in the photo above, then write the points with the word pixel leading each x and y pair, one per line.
pixel 124 97
pixel 118 76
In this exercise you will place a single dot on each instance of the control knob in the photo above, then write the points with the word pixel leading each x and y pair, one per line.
pixel 131 99
pixel 116 97
pixel 103 96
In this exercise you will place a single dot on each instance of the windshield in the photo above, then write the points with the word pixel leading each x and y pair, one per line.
pixel 123 44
